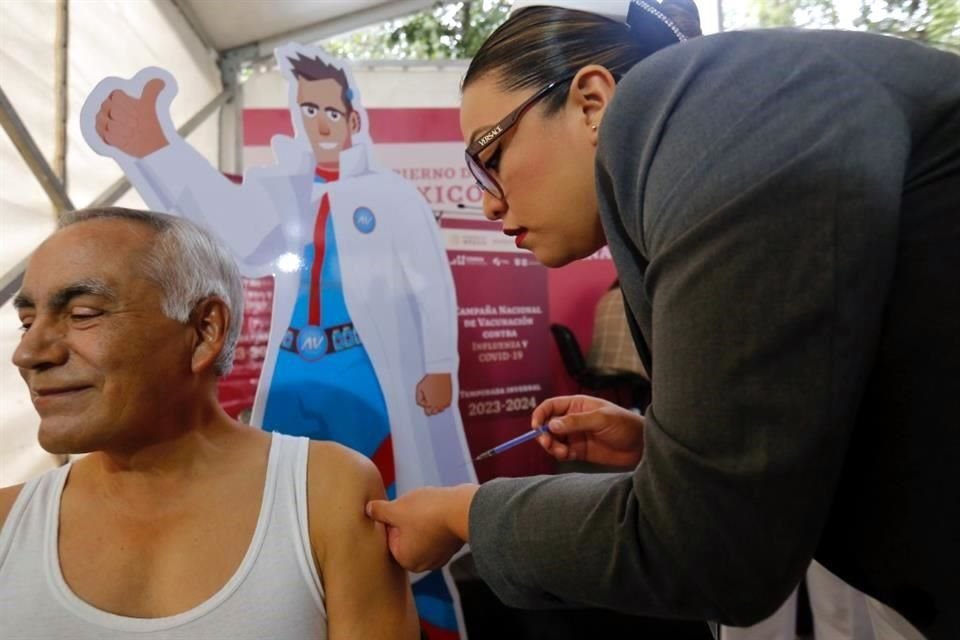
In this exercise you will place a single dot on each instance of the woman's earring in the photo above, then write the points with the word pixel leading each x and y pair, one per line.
pixel 593 127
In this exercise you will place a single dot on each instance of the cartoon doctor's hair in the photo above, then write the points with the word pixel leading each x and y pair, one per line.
pixel 538 45
pixel 307 68
pixel 188 265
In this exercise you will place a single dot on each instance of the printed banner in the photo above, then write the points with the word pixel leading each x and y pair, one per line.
pixel 238 388
pixel 504 338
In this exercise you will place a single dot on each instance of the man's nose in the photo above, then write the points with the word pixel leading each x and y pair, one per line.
pixel 493 208
pixel 41 346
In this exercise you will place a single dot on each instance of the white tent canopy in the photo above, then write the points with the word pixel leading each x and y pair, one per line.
pixel 228 27
pixel 204 43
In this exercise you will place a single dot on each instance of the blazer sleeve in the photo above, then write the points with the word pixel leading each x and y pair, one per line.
pixel 765 204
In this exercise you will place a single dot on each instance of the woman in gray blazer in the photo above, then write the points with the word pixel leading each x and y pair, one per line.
pixel 783 209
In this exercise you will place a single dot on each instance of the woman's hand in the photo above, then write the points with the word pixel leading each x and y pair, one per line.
pixel 426 526
pixel 590 429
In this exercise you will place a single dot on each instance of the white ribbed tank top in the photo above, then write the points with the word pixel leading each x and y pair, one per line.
pixel 275 593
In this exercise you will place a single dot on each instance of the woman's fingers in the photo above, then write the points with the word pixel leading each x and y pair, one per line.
pixel 562 405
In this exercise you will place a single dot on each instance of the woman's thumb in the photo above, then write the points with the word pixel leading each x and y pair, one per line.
pixel 577 422
pixel 380 510
pixel 557 425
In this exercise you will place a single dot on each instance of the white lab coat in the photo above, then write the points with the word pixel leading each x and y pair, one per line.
pixel 397 283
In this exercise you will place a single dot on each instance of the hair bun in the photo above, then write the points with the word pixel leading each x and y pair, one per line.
pixel 652 25
pixel 684 14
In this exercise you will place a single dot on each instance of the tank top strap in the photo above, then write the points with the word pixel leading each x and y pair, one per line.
pixel 31 509
pixel 291 499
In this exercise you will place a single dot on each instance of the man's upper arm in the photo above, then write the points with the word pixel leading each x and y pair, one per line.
pixel 367 595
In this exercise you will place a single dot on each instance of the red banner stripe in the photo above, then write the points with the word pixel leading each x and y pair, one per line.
pixel 386 125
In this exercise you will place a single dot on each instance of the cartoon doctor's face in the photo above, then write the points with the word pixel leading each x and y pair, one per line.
pixel 328 119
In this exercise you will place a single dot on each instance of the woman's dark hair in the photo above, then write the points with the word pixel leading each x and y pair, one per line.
pixel 539 45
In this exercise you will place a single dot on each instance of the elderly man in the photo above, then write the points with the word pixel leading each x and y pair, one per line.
pixel 181 521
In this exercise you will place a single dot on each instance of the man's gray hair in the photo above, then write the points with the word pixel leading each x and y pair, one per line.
pixel 188 264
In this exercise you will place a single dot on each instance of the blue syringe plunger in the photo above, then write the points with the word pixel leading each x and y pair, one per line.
pixel 510 444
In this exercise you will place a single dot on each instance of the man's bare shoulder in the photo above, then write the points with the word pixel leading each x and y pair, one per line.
pixel 338 475
pixel 8 495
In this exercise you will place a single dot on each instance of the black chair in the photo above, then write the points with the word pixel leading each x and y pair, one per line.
pixel 589 379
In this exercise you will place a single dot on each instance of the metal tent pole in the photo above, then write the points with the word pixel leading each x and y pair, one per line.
pixel 31 154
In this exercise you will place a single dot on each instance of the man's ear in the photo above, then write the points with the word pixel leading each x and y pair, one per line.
pixel 591 92
pixel 210 321
pixel 354 119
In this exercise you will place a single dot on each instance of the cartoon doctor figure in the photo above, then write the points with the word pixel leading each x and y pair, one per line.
pixel 363 346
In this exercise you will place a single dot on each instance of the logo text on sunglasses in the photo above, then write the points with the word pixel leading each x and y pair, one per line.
pixel 490 135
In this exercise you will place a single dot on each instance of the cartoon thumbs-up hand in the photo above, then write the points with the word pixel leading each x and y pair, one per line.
pixel 130 124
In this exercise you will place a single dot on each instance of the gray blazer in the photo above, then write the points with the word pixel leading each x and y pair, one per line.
pixel 783 209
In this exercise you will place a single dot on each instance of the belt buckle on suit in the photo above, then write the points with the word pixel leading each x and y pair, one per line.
pixel 333 339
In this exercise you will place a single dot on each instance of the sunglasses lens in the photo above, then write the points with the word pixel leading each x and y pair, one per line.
pixel 484 179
